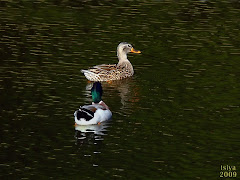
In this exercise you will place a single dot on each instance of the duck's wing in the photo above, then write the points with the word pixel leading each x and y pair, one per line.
pixel 87 111
pixel 103 68
pixel 94 107
pixel 89 108
pixel 100 72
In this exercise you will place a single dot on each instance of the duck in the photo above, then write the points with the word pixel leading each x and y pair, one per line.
pixel 109 72
pixel 95 113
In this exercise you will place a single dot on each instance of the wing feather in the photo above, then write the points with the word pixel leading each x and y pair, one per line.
pixel 105 72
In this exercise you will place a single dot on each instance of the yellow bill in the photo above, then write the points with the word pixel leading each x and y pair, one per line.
pixel 135 51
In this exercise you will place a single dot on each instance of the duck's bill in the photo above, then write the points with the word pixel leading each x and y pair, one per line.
pixel 135 51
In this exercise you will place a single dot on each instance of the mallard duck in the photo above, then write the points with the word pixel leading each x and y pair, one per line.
pixel 109 72
pixel 95 113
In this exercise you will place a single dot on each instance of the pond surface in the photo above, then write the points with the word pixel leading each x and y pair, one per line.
pixel 176 118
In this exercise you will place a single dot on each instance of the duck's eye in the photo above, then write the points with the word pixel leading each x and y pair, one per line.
pixel 129 45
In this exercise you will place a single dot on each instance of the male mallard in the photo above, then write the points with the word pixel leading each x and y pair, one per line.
pixel 95 113
pixel 108 72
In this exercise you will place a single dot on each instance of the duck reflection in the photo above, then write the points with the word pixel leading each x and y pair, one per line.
pixel 89 134
pixel 126 89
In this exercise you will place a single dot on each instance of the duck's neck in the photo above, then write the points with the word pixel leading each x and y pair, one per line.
pixel 122 56
pixel 124 63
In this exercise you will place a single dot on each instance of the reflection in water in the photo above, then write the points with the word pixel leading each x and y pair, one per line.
pixel 90 134
pixel 89 139
pixel 126 89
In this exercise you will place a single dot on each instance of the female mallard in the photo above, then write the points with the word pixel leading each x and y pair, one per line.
pixel 108 72
pixel 95 113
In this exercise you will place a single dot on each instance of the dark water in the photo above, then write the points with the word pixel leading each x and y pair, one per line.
pixel 176 118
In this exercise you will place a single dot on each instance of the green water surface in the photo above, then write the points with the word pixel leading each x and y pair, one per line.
pixel 176 118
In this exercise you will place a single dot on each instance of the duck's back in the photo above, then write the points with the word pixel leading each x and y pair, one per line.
pixel 108 72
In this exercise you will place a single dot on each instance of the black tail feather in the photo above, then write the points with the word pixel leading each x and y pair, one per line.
pixel 84 113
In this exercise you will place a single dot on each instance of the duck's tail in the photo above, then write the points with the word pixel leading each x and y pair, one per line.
pixel 91 76
pixel 83 70
pixel 84 113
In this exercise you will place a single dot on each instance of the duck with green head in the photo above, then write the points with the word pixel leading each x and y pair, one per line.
pixel 95 113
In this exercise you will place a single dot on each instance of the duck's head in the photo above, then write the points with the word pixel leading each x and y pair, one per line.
pixel 124 48
pixel 96 92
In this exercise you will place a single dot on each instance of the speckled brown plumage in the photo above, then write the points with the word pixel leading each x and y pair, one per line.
pixel 108 72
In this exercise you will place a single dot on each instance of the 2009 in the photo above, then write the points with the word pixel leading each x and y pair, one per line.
pixel 228 174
